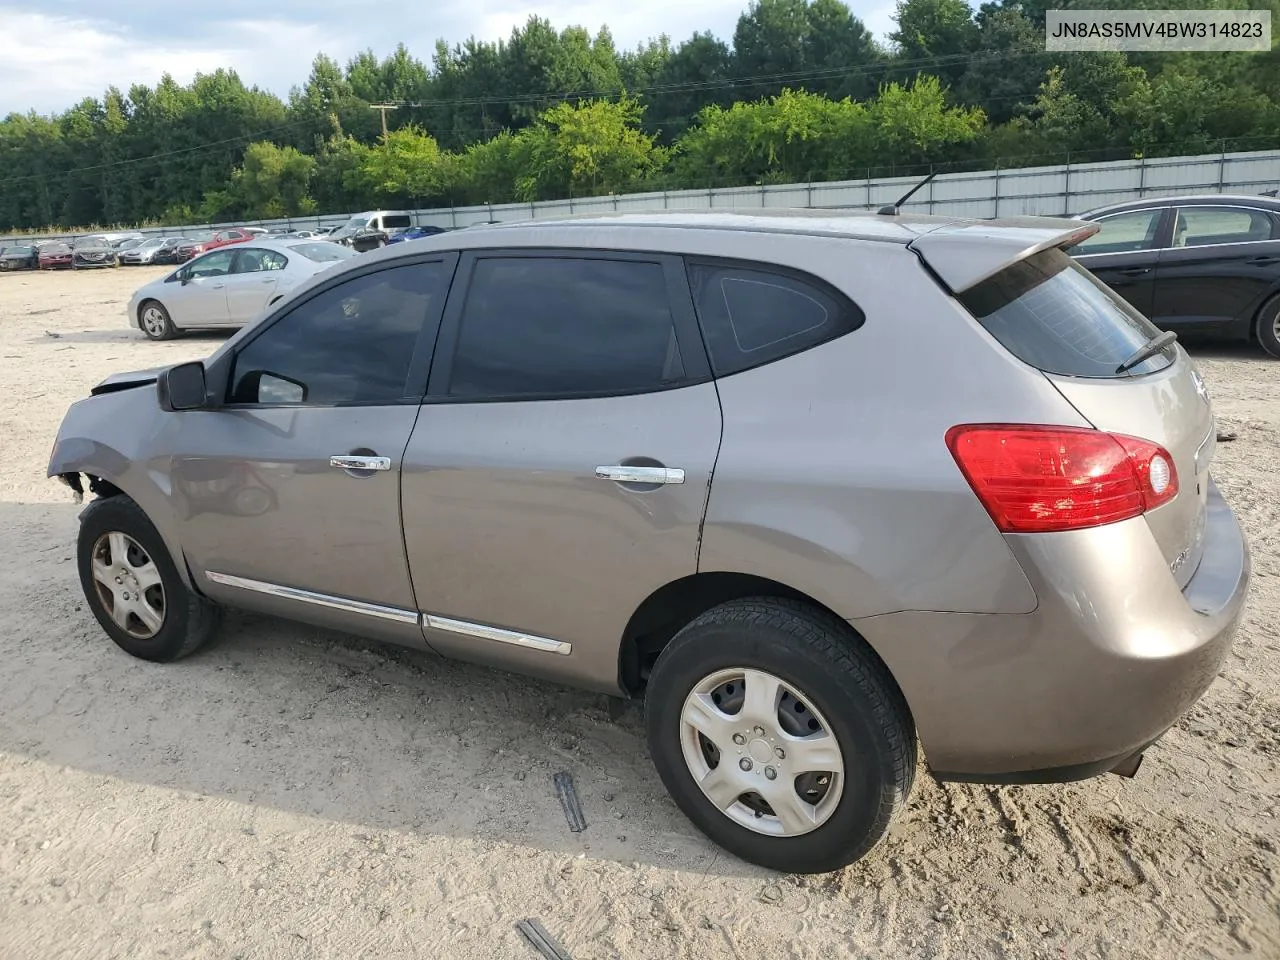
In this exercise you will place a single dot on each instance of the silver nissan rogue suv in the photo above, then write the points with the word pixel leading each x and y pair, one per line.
pixel 817 486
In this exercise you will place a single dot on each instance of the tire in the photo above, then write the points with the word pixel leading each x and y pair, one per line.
pixel 185 621
pixel 828 678
pixel 155 322
pixel 1268 329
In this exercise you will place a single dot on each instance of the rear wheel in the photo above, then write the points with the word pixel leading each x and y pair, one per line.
pixel 1269 327
pixel 780 735
pixel 155 322
pixel 133 587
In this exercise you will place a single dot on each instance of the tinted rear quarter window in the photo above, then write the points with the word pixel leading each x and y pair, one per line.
pixel 1051 313
pixel 565 327
pixel 752 314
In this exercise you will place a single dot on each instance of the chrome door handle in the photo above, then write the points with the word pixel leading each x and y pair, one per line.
pixel 269 280
pixel 218 286
pixel 346 462
pixel 623 474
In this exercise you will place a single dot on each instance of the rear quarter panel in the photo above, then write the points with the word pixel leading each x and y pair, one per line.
pixel 834 476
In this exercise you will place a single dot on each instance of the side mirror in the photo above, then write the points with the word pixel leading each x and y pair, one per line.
pixel 182 387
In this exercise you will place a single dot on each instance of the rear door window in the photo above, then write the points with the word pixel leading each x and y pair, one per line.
pixel 1051 313
pixel 563 326
pixel 1202 226
pixel 752 314
pixel 1124 233
pixel 396 221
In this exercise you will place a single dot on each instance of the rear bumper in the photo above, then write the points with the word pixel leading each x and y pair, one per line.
pixel 1113 655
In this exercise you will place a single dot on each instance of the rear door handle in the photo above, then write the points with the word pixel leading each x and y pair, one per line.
pixel 348 462
pixel 1135 271
pixel 624 474
pixel 218 286
pixel 1264 261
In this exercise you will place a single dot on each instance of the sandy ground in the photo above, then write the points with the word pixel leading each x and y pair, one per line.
pixel 294 793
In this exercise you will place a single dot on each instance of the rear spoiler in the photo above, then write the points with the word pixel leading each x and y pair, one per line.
pixel 965 253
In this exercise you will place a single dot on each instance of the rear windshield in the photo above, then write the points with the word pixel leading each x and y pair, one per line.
pixel 1050 312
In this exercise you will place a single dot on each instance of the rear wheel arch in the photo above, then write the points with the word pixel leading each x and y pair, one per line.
pixel 673 606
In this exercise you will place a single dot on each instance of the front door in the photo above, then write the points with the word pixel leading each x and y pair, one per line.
pixel 1124 254
pixel 199 295
pixel 253 281
pixel 1222 264
pixel 560 468
pixel 289 494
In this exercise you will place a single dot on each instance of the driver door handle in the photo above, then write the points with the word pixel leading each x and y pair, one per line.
pixel 348 462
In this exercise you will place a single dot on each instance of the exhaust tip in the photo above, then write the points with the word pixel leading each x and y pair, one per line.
pixel 1128 767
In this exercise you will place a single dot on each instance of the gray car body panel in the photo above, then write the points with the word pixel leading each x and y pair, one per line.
pixel 825 472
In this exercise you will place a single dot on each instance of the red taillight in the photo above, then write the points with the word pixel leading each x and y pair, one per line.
pixel 1040 479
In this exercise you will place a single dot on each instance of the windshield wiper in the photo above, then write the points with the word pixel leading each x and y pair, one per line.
pixel 1149 349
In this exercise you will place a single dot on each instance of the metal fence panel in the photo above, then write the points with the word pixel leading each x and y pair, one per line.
pixel 1054 190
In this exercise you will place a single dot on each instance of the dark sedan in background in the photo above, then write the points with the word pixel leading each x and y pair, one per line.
pixel 19 256
pixel 1195 264
pixel 90 252
pixel 168 251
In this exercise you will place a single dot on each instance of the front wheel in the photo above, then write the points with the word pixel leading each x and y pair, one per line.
pixel 780 735
pixel 133 587
pixel 155 321
pixel 1269 328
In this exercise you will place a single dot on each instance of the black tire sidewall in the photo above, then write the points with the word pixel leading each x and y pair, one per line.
pixel 871 786
pixel 1266 328
pixel 123 515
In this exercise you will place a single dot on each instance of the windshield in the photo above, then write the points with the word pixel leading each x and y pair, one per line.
pixel 1052 313
pixel 150 244
pixel 323 252
pixel 20 251
pixel 200 236
pixel 90 243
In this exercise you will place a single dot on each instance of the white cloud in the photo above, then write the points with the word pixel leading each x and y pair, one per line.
pixel 51 61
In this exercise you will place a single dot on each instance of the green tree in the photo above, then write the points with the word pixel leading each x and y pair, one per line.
pixel 588 149
pixel 273 182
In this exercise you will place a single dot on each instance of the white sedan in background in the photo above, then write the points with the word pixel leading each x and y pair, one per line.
pixel 230 286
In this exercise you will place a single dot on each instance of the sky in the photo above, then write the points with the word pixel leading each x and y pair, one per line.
pixel 52 60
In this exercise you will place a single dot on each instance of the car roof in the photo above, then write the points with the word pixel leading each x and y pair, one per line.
pixel 1187 200
pixel 961 251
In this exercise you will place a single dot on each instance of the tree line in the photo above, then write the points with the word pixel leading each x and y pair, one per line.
pixel 803 92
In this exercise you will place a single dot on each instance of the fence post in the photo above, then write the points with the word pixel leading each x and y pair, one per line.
pixel 615 202
pixel 1222 166
pixel 453 215
pixel 666 199
pixel 1142 174
pixel 1068 206
pixel 931 183
pixel 762 195
pixel 996 212
pixel 868 188
pixel 808 195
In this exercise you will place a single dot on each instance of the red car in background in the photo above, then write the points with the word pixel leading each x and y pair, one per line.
pixel 54 256
pixel 224 238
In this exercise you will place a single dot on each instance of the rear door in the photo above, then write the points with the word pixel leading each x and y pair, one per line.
pixel 1125 252
pixel 1222 264
pixel 253 281
pixel 560 468
pixel 1056 317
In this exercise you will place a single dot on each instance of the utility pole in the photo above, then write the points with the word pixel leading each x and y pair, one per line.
pixel 382 108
